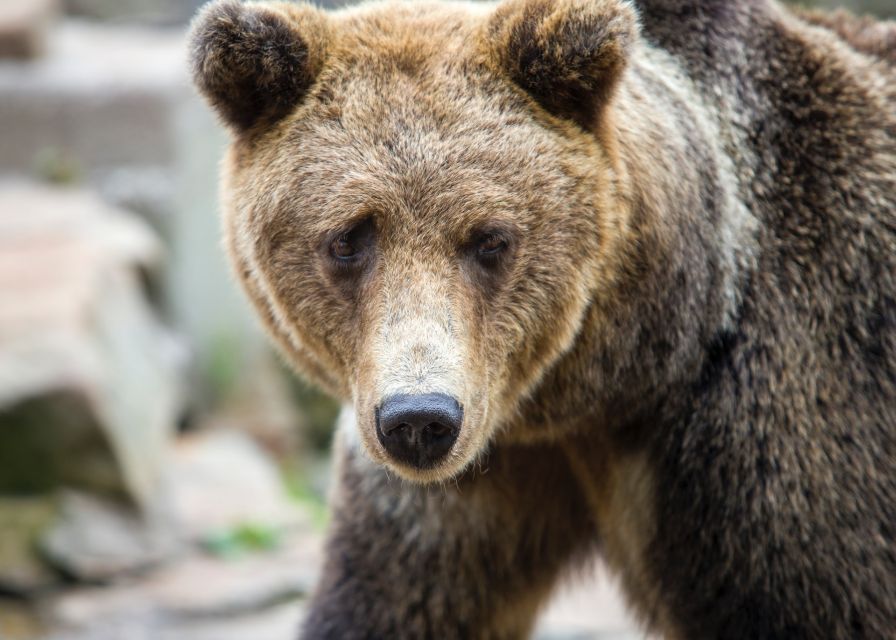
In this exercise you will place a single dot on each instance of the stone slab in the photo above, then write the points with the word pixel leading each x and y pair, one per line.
pixel 89 377
pixel 99 97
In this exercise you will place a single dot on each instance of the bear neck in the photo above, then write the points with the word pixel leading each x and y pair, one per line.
pixel 685 254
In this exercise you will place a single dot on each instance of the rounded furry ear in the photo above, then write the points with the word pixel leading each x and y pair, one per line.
pixel 255 62
pixel 567 54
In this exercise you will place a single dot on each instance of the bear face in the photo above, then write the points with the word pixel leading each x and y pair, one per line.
pixel 419 200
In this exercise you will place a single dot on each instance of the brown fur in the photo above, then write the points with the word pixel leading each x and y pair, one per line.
pixel 864 34
pixel 254 66
pixel 685 357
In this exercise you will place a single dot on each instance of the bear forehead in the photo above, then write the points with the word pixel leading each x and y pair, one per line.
pixel 408 31
pixel 400 149
pixel 406 117
pixel 422 62
pixel 326 172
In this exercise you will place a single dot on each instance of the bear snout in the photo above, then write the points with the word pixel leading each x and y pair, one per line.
pixel 418 430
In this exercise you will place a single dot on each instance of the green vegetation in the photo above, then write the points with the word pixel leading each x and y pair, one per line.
pixel 58 167
pixel 246 538
pixel 303 493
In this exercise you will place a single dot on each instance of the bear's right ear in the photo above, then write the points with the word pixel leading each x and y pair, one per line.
pixel 255 62
pixel 567 54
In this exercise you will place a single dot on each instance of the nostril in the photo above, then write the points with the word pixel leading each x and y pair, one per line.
pixel 393 428
pixel 438 430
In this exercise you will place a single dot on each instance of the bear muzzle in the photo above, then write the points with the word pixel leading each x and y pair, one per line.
pixel 418 430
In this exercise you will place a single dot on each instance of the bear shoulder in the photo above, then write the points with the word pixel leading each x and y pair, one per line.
pixel 865 34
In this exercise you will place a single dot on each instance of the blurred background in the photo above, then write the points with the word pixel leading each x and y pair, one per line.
pixel 162 474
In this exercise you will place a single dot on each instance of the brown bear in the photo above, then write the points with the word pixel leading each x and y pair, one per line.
pixel 598 277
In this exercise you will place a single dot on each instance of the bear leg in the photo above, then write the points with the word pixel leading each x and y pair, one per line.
pixel 471 558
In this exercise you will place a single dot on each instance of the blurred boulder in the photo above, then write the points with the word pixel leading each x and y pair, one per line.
pixel 195 597
pixel 97 540
pixel 23 27
pixel 158 12
pixel 89 378
pixel 220 480
pixel 98 98
pixel 262 405
pixel 111 106
pixel 203 587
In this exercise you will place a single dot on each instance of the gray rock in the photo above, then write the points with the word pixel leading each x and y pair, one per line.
pixel 89 378
pixel 199 592
pixel 101 541
pixel 263 407
pixel 98 98
pixel 277 623
pixel 220 480
pixel 111 106
pixel 148 190
pixel 23 27
pixel 158 12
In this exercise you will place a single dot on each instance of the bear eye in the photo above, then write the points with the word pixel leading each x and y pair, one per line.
pixel 489 248
pixel 350 246
pixel 491 244
pixel 342 248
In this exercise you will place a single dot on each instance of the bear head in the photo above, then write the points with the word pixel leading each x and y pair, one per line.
pixel 420 199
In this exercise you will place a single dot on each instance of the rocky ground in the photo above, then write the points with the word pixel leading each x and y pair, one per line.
pixel 242 564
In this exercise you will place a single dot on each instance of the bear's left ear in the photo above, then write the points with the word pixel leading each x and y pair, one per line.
pixel 255 62
pixel 567 54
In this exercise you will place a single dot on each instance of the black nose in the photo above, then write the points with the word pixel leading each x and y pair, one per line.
pixel 418 430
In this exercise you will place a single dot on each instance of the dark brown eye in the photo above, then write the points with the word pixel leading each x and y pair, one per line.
pixel 350 246
pixel 490 246
pixel 342 248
